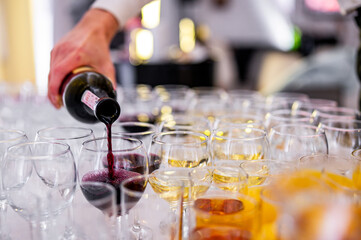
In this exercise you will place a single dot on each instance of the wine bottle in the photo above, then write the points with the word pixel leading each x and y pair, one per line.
pixel 89 96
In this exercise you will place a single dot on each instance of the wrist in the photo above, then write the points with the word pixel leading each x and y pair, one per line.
pixel 101 21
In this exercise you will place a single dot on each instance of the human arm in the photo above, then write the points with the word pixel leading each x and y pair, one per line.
pixel 88 43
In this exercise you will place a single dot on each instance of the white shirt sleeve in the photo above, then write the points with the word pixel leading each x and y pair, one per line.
pixel 122 10
pixel 348 6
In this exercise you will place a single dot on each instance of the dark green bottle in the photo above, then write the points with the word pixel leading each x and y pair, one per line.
pixel 90 97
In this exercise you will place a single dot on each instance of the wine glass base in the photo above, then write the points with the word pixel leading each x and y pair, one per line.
pixel 140 233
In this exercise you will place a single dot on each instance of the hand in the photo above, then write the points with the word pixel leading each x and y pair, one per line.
pixel 86 44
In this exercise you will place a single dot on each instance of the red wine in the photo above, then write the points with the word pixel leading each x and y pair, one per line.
pixel 133 162
pixel 102 175
pixel 89 96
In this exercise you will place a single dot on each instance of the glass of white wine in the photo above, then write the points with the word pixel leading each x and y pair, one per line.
pixel 239 143
pixel 185 149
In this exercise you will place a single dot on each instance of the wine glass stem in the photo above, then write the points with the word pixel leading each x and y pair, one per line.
pixel 39 230
pixel 3 211
pixel 69 234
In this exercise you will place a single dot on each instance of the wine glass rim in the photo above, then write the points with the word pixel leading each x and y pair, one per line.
pixel 114 150
pixel 39 157
pixel 323 124
pixel 354 152
pixel 21 134
pixel 155 140
pixel 89 133
pixel 141 124
pixel 262 135
pixel 303 114
pixel 318 131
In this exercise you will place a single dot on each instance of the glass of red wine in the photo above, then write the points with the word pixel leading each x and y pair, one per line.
pixel 102 197
pixel 128 158
pixel 40 180
pixel 7 138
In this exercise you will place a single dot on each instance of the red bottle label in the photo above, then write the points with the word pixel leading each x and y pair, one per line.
pixel 89 99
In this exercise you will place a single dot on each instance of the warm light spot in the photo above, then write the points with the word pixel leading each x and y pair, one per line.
pixel 186 35
pixel 144 44
pixel 151 14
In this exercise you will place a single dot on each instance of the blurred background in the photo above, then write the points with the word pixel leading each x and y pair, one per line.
pixel 270 46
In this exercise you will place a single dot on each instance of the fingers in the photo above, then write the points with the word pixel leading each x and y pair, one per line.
pixel 58 72
pixel 109 71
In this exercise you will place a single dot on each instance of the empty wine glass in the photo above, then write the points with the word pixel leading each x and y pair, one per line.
pixel 180 149
pixel 343 135
pixel 241 119
pixel 7 139
pixel 137 104
pixel 289 142
pixel 239 143
pixel 342 113
pixel 172 99
pixel 40 180
pixel 73 136
pixel 186 123
pixel 140 130
pixel 286 116
pixel 210 102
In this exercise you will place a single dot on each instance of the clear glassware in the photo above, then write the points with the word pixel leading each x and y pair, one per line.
pixel 239 143
pixel 99 201
pixel 284 188
pixel 356 154
pixel 130 159
pixel 222 210
pixel 172 99
pixel 140 130
pixel 73 136
pixel 325 113
pixel 289 142
pixel 341 173
pixel 316 103
pixel 148 214
pixel 210 102
pixel 180 149
pixel 240 119
pixel 343 135
pixel 138 104
pixel 7 139
pixel 181 122
pixel 317 216
pixel 287 116
pixel 40 180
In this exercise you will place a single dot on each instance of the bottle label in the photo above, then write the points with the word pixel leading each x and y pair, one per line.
pixel 89 99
